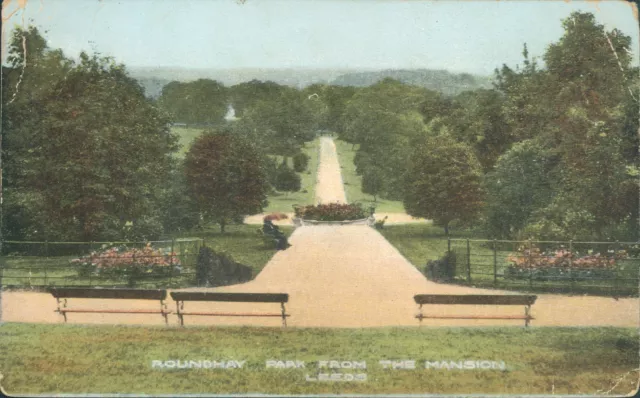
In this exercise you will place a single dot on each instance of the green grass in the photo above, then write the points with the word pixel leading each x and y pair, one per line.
pixel 420 243
pixel 353 182
pixel 283 202
pixel 241 242
pixel 186 135
pixel 37 358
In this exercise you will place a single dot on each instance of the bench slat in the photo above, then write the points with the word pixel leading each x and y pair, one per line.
pixel 114 311
pixel 230 314
pixel 231 297
pixel 473 317
pixel 475 299
pixel 100 293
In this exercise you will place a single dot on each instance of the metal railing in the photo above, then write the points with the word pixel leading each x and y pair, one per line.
pixel 602 268
pixel 155 264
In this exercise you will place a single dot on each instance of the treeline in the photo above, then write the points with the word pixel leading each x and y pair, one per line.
pixel 438 80
pixel 551 152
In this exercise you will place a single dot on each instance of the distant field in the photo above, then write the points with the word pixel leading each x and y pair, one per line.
pixel 187 135
pixel 353 182
pixel 47 359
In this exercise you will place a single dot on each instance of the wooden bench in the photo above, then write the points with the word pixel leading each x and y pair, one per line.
pixel 181 297
pixel 476 299
pixel 62 294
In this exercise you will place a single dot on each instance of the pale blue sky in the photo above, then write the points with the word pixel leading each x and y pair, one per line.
pixel 472 36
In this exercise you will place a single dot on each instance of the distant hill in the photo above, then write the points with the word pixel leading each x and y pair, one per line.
pixel 154 78
pixel 438 80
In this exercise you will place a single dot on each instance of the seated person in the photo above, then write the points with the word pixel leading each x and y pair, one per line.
pixel 269 228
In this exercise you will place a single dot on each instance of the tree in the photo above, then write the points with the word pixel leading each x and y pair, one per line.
pixel 522 182
pixel 372 182
pixel 225 177
pixel 203 101
pixel 476 117
pixel 286 179
pixel 87 153
pixel 300 162
pixel 582 107
pixel 180 212
pixel 246 95
pixel 384 120
pixel 281 124
pixel 528 92
pixel 443 182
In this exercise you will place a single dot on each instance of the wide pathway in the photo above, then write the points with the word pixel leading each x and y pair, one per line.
pixel 329 187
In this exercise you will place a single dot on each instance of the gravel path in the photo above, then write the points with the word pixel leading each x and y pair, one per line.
pixel 329 186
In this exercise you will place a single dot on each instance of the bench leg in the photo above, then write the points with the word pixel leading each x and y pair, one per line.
pixel 61 310
pixel 420 314
pixel 163 308
pixel 284 316
pixel 527 315
pixel 180 316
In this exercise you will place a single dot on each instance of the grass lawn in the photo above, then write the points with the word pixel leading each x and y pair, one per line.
pixel 187 136
pixel 420 243
pixel 283 202
pixel 353 182
pixel 37 358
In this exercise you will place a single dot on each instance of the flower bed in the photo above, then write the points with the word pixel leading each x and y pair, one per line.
pixel 562 265
pixel 119 262
pixel 331 212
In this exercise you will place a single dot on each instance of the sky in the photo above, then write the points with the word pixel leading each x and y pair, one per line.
pixel 461 36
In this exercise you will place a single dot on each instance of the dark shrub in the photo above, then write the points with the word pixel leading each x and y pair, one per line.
pixel 287 180
pixel 300 162
pixel 215 269
pixel 443 269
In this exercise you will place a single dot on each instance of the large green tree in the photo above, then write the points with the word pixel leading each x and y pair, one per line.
pixel 86 153
pixel 583 106
pixel 444 182
pixel 522 182
pixel 476 117
pixel 246 95
pixel 281 124
pixel 384 120
pixel 225 177
pixel 202 101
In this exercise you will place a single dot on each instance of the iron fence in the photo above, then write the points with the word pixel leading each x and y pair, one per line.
pixel 155 264
pixel 602 268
